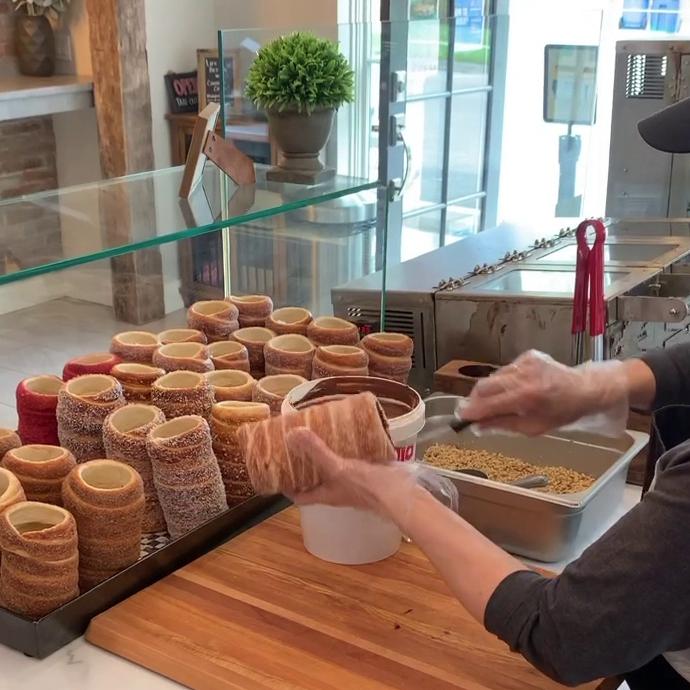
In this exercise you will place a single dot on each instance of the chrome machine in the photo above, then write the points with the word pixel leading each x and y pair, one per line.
pixel 506 290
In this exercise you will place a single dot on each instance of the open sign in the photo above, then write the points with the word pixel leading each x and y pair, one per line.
pixel 183 92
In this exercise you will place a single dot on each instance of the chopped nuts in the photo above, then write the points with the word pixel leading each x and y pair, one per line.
pixel 502 468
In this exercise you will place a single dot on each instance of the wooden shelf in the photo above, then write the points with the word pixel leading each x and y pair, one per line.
pixel 22 96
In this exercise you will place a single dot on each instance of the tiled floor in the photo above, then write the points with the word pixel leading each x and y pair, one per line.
pixel 39 340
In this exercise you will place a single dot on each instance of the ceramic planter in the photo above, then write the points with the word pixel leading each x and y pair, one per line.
pixel 35 45
pixel 300 138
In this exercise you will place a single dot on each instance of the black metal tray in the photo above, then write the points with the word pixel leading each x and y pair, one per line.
pixel 40 638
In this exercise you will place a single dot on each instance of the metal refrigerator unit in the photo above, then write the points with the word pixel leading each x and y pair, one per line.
pixel 643 182
pixel 494 295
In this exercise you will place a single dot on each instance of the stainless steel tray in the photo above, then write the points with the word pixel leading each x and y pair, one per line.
pixel 527 522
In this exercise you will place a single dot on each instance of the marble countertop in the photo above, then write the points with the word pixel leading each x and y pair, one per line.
pixel 82 666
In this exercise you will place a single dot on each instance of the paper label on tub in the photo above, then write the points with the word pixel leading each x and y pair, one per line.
pixel 406 453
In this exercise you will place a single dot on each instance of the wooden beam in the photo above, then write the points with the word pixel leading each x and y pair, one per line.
pixel 123 110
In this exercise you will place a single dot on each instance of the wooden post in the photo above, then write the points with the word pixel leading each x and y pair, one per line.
pixel 123 110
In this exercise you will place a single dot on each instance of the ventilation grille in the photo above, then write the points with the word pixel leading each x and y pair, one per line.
pixel 397 321
pixel 646 76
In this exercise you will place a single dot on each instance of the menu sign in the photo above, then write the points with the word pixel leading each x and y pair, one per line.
pixel 209 70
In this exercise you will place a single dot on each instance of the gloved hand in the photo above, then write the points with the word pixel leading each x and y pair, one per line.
pixel 348 482
pixel 384 488
pixel 536 394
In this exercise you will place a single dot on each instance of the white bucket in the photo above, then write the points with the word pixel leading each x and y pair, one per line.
pixel 403 428
pixel 347 535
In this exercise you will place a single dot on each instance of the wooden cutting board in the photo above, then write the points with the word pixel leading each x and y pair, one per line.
pixel 260 613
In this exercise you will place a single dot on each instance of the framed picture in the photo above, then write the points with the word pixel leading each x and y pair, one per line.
pixel 209 75
pixel 183 94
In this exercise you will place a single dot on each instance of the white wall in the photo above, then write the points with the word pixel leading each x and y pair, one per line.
pixel 271 14
pixel 175 29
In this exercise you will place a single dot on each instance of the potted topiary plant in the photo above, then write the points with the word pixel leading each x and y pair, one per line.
pixel 300 81
pixel 34 38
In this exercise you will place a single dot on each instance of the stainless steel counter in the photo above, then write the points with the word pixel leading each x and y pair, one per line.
pixel 494 295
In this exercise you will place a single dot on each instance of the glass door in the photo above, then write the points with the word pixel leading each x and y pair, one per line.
pixel 440 61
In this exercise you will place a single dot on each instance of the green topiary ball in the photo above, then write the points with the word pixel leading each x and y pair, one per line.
pixel 300 72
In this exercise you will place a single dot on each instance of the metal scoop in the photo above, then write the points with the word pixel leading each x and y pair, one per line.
pixel 534 481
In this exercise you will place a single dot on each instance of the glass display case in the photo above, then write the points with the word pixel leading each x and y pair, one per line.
pixel 78 265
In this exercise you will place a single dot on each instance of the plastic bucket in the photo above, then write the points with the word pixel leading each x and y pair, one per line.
pixel 347 535
pixel 403 406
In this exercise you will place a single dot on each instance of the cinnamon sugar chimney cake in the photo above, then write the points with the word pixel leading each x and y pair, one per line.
pixel 183 357
pixel 186 473
pixel 40 560
pixel 11 490
pixel 289 320
pixel 217 319
pixel 41 470
pixel 229 354
pixel 136 380
pixel 229 384
pixel 83 405
pixel 135 346
pixel 340 360
pixel 289 354
pixel 272 469
pixel 254 309
pixel 390 355
pixel 330 330
pixel 181 393
pixel 8 439
pixel 124 438
pixel 182 335
pixel 254 339
pixel 272 390
pixel 226 419
pixel 106 498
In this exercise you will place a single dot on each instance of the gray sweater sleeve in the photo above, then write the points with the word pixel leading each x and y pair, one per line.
pixel 671 368
pixel 621 604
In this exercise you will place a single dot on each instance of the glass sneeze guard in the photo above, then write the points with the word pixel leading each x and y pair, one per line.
pixel 49 231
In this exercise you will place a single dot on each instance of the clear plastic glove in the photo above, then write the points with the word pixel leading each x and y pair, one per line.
pixel 381 488
pixel 536 394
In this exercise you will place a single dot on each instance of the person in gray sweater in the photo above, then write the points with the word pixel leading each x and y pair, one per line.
pixel 621 609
